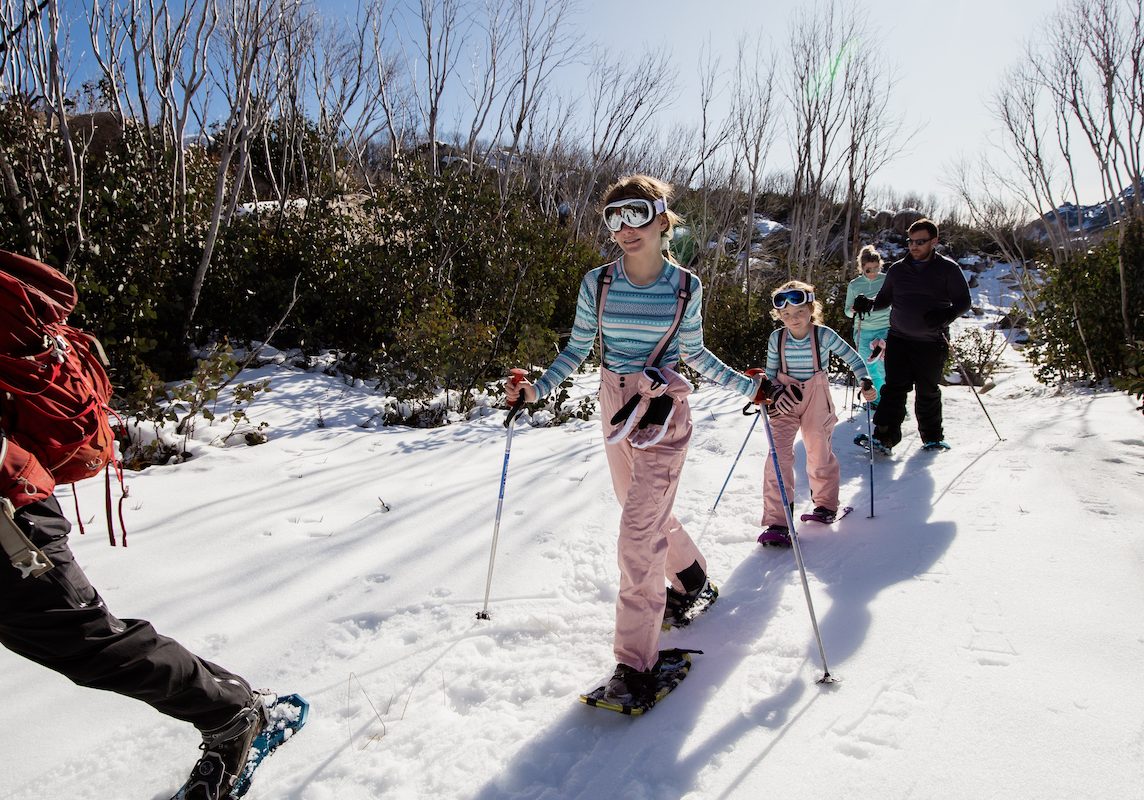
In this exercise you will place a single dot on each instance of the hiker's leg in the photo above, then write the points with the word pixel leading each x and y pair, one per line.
pixel 60 621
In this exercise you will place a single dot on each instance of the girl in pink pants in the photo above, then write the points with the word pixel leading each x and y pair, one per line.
pixel 644 309
pixel 798 393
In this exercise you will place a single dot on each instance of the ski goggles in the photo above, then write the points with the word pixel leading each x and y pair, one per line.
pixel 635 213
pixel 792 297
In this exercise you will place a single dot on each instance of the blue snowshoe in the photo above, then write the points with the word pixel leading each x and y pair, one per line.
pixel 232 753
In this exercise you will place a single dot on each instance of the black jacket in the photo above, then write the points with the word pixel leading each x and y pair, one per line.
pixel 913 288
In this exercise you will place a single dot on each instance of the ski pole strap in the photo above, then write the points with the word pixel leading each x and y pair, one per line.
pixel 28 559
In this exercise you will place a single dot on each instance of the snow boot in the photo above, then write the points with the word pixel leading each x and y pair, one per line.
pixel 824 515
pixel 225 753
pixel 862 440
pixel 683 607
pixel 628 686
pixel 775 536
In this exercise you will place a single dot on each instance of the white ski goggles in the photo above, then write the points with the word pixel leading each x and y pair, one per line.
pixel 635 213
pixel 792 297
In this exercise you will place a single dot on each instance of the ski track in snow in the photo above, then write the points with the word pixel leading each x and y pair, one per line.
pixel 984 622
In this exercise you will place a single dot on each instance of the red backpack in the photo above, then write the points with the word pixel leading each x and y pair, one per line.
pixel 56 389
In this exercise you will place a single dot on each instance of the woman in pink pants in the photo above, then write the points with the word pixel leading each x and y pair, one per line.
pixel 645 311
pixel 798 392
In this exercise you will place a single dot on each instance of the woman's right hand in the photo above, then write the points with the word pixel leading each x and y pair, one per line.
pixel 516 386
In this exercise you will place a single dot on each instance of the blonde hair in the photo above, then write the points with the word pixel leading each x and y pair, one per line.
pixel 867 254
pixel 816 311
pixel 645 187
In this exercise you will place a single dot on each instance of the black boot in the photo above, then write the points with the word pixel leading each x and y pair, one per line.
pixel 225 751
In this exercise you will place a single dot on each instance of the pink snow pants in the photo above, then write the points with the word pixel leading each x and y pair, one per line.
pixel 652 544
pixel 815 417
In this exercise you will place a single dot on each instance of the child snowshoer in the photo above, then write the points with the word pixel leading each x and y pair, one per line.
pixel 798 399
pixel 870 329
pixel 645 309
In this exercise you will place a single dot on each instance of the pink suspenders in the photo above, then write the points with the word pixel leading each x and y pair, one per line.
pixel 813 344
pixel 683 296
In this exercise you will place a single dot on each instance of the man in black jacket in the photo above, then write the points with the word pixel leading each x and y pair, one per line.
pixel 926 292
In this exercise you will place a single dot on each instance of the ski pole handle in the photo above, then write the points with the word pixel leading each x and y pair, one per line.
pixel 517 376
pixel 760 397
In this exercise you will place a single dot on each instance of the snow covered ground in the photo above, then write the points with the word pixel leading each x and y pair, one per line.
pixel 985 623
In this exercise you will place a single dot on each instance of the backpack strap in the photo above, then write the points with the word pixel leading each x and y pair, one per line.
pixel 603 283
pixel 682 298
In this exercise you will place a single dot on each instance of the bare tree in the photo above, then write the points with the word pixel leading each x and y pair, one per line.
pixel 753 120
pixel 819 107
pixel 993 209
pixel 444 31
pixel 842 132
pixel 1093 68
pixel 242 70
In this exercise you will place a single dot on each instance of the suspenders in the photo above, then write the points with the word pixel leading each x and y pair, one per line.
pixel 682 298
pixel 813 344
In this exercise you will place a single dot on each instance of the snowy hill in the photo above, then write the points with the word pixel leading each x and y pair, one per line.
pixel 985 623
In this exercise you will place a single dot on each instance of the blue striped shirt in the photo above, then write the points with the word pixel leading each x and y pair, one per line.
pixel 635 319
pixel 800 354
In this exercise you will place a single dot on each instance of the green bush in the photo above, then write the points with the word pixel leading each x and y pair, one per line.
pixel 1077 332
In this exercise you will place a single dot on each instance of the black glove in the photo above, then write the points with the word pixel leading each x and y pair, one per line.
pixel 863 305
pixel 783 400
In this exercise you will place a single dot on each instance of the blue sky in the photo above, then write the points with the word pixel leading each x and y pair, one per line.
pixel 949 57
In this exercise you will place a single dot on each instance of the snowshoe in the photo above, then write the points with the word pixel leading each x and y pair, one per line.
pixel 863 441
pixel 825 516
pixel 936 445
pixel 620 695
pixel 775 536
pixel 227 766
pixel 682 609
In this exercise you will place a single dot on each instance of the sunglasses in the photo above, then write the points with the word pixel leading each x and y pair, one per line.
pixel 919 242
pixel 792 297
pixel 635 213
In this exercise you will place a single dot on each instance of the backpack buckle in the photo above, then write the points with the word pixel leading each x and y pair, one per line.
pixel 28 559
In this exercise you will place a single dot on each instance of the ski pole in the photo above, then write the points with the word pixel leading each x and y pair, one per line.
pixel 869 421
pixel 851 398
pixel 870 448
pixel 758 399
pixel 826 676
pixel 965 377
pixel 509 422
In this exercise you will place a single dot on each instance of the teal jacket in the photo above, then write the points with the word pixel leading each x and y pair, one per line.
pixel 862 285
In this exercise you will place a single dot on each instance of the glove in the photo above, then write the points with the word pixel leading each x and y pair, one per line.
pixel 784 399
pixel 654 422
pixel 644 418
pixel 937 317
pixel 764 389
pixel 863 305
pixel 877 349
pixel 869 394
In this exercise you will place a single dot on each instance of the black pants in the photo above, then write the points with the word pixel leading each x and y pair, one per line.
pixel 60 621
pixel 911 365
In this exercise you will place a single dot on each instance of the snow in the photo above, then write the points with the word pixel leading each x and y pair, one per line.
pixel 986 623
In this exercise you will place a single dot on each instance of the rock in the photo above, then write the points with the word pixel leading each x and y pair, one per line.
pixel 905 218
